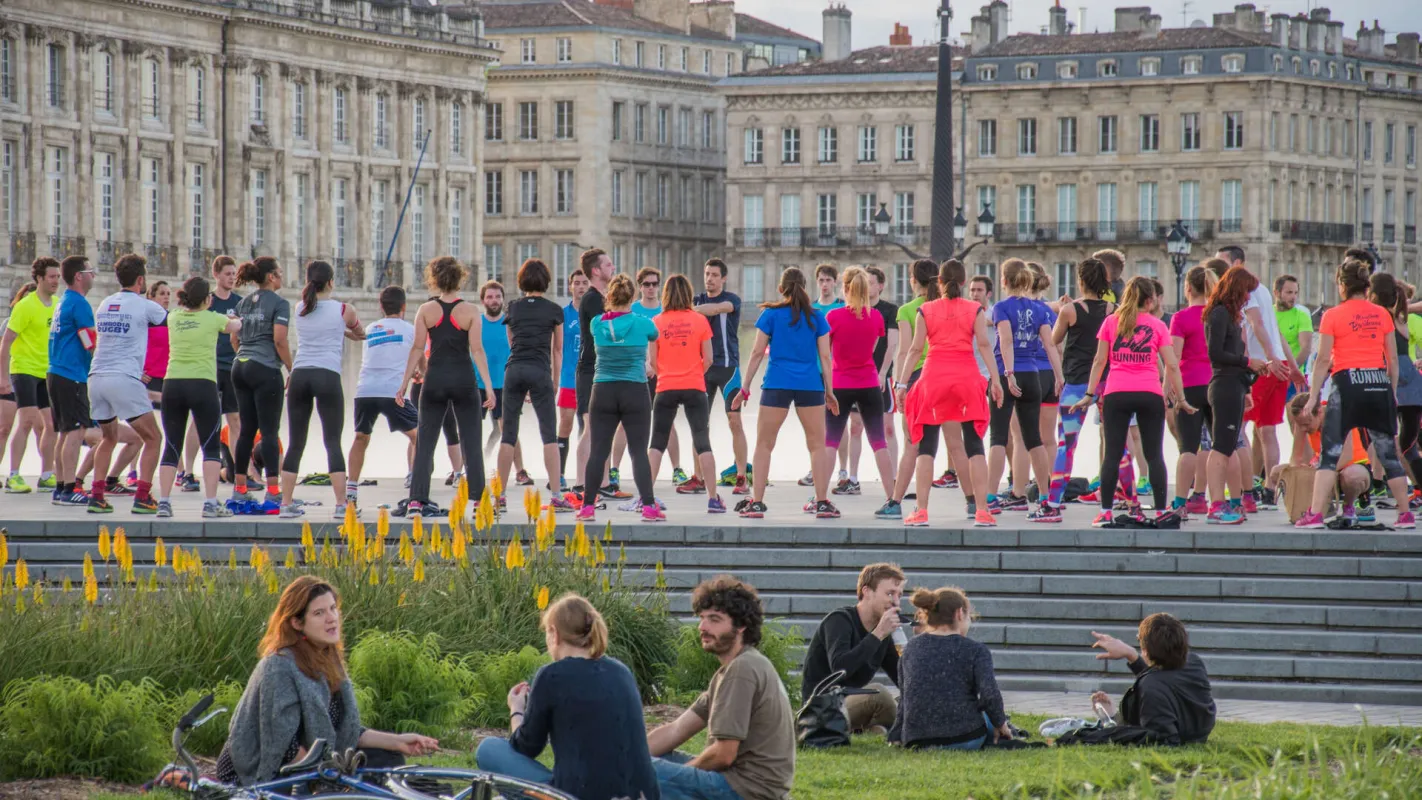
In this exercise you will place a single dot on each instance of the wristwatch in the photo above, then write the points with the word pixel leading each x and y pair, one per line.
pixel 898 385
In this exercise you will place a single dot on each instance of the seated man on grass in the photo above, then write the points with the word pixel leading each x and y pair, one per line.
pixel 858 639
pixel 1172 699
pixel 750 741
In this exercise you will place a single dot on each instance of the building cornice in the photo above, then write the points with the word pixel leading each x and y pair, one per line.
pixel 867 100
pixel 532 72
pixel 734 82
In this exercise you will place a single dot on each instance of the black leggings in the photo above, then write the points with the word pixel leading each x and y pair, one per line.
pixel 527 380
pixel 972 442
pixel 1188 427
pixel 1226 398
pixel 196 396
pixel 870 404
pixel 1116 411
pixel 1409 424
pixel 260 392
pixel 1028 408
pixel 614 403
pixel 698 416
pixel 319 388
pixel 456 397
pixel 1334 434
pixel 451 430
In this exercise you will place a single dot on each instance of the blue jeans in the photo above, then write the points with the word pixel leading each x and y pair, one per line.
pixel 497 755
pixel 971 744
pixel 682 782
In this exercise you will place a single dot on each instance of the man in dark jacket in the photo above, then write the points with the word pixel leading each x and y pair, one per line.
pixel 858 640
pixel 1172 700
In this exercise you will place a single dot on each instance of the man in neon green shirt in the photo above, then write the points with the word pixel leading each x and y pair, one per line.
pixel 1295 324
pixel 24 360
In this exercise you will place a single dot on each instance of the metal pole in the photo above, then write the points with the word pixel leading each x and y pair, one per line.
pixel 409 191
pixel 941 243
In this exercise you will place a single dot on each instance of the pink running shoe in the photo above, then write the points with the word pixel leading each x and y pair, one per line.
pixel 1313 520
pixel 653 513
pixel 1405 521
pixel 587 513
pixel 1103 519
pixel 1248 503
pixel 1197 504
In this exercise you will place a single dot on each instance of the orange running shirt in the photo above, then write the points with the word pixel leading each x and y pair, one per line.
pixel 679 350
pixel 1358 329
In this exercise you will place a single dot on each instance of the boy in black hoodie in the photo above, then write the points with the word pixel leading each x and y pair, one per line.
pixel 1172 699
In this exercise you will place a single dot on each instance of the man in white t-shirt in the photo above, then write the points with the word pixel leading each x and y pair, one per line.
pixel 116 392
pixel 387 349
pixel 1271 390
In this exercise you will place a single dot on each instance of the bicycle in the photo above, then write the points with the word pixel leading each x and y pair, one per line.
pixel 344 776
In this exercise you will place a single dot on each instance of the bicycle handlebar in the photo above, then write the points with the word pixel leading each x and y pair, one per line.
pixel 189 719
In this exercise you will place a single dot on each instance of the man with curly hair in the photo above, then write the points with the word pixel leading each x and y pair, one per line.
pixel 750 742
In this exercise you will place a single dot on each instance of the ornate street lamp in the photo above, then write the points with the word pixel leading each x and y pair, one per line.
pixel 881 220
pixel 1178 244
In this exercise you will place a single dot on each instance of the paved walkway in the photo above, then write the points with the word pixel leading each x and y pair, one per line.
pixel 1061 704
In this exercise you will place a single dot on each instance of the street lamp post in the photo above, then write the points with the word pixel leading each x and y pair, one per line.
pixel 942 229
pixel 986 229
pixel 1377 257
pixel 1178 244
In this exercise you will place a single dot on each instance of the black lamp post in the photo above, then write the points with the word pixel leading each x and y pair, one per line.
pixel 1178 244
pixel 1377 257
pixel 941 232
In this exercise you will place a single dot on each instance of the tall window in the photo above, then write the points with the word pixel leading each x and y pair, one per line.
pixel 618 176
pixel 417 141
pixel 708 130
pixel 829 145
pixel 639 123
pixel 456 129
pixel 868 143
pixel 259 206
pixel 755 146
pixel 493 261
pixel 152 199
pixel 527 250
pixel 752 283
pixel 827 213
pixel 528 51
pixel 1066 211
pixel 381 128
pixel 528 121
pixel 338 202
pixel 1231 206
pixel 494 122
pixel 903 143
pixel 104 175
pixel 1149 205
pixel 54 76
pixel 640 54
pixel 1411 146
pixel 563 191
pixel 56 161
pixel 7 70
pixel 1190 202
pixel 1107 127
pixel 708 199
pixel 7 181
pixel 379 191
pixel 298 110
pixel 1150 133
pixel 197 91
pixel 706 62
pixel 1234 130
pixel 259 97
pixel 563 119
pixel 1027 137
pixel 528 191
pixel 1190 132
pixel 151 92
pixel 619 109
pixel 338 117
pixel 684 211
pixel 683 127
pixel 1026 210
pixel 685 60
pixel 866 203
pixel 417 225
pixel 565 255
pixel 565 50
pixel 987 198
pixel 456 222
pixel 103 78
pixel 493 193
pixel 790 146
pixel 987 137
pixel 1389 232
pixel 617 51
pixel 903 212
pixel 662 191
pixel 661 56
pixel 639 196
pixel 1066 136
pixel 1368 141
pixel 1389 129
pixel 1106 210
pixel 196 185
pixel 303 224
pixel 663 125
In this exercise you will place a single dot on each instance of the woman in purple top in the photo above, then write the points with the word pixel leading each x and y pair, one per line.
pixel 1187 331
pixel 855 329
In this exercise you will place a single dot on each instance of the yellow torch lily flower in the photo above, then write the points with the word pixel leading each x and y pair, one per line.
pixel 91 590
pixel 105 549
pixel 160 553
pixel 513 557
pixel 542 598
pixel 22 574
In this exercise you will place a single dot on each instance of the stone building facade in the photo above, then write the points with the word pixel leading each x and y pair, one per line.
pixel 188 128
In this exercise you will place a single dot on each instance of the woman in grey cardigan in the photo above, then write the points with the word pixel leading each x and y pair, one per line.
pixel 300 692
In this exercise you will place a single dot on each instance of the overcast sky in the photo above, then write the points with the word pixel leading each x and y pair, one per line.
pixel 874 19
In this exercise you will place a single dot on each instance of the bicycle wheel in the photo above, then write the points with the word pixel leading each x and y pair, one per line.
pixel 441 783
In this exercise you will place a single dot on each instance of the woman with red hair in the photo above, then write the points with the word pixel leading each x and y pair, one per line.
pixel 1233 372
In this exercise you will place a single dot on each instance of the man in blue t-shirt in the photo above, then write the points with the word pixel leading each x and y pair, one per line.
pixel 723 310
pixel 568 376
pixel 496 350
pixel 72 338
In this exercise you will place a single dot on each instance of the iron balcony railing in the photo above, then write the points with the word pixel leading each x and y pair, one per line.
pixel 1389 233
pixel 1094 233
pixel 390 273
pixel 110 251
pixel 1316 232
pixel 350 272
pixel 22 247
pixel 162 258
pixel 1365 232
pixel 1409 234
pixel 829 237
pixel 65 246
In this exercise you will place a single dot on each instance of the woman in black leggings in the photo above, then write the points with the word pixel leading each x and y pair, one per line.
pixel 1233 374
pixel 262 351
pixel 681 355
pixel 451 327
pixel 620 396
pixel 322 326
pixel 190 389
pixel 535 331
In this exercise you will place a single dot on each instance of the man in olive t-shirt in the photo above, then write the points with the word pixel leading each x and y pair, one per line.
pixel 750 728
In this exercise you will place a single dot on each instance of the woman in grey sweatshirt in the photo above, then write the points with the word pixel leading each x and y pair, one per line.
pixel 300 692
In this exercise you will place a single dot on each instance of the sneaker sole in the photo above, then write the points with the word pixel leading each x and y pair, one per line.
pixel 923 524
pixel 145 511
pixel 680 490
pixel 826 516
pixel 1241 522
pixel 877 515
pixel 715 511
pixel 93 510
pixel 18 491
pixel 752 515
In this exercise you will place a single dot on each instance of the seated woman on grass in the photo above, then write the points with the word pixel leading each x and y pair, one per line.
pixel 587 704
pixel 948 694
pixel 1171 698
pixel 300 692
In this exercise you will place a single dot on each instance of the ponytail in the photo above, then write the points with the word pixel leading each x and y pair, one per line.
pixel 257 270
pixel 856 290
pixel 793 296
pixel 1138 294
pixel 193 295
pixel 318 278
pixel 951 277
pixel 925 274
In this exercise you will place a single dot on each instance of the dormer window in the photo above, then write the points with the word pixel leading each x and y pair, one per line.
pixel 1026 72
pixel 1190 65
pixel 1298 65
pixel 1352 73
pixel 1066 70
pixel 1391 81
pixel 1314 67
pixel 1278 63
pixel 1333 69
pixel 1106 69
pixel 1150 66
pixel 1232 63
pixel 987 72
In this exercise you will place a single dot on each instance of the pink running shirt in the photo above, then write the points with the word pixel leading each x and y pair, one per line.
pixel 1133 361
pixel 852 343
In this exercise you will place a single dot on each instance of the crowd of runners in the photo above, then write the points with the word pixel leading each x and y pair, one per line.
pixel 1004 369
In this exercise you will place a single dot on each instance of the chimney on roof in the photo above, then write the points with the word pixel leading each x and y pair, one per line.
pixel 716 15
pixel 1279 29
pixel 1246 19
pixel 979 33
pixel 1150 26
pixel 900 37
pixel 1377 40
pixel 672 13
pixel 1314 35
pixel 836 33
pixel 1057 26
pixel 1131 19
pixel 1408 47
pixel 997 20
pixel 1333 37
pixel 1297 26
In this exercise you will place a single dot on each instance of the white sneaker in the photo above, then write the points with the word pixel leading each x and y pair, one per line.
pixel 291 511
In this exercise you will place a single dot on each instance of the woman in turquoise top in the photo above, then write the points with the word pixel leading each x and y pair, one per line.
pixel 620 397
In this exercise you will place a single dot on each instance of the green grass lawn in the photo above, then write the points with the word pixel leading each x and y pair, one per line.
pixel 1242 760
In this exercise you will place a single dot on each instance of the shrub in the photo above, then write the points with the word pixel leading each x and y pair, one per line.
pixel 62 726
pixel 207 740
pixel 694 666
pixel 404 684
pixel 494 676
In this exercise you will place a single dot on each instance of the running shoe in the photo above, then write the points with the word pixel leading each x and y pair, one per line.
pixel 846 486
pixel 634 505
pixel 984 519
pixel 560 506
pixel 1044 512
pixel 131 480
pixel 994 506
pixel 1222 514
pixel 742 486
pixel 452 478
pixel 972 508
pixel 715 506
pixel 1406 521
pixel 1197 504
pixel 522 478
pixel 948 480
pixel 293 511
pixel 145 505
pixel 754 509
pixel 613 492
pixel 741 506
pixel 810 505
pixel 16 485
pixel 116 486
pixel 189 483
pixel 587 514
pixel 808 480
pixel 679 476
pixel 1103 519
pixel 339 512
pixel 824 509
pixel 98 506
pixel 692 485
pixel 1310 520
pixel 1268 500
pixel 1178 506
pixel 1248 503
pixel 211 509
pixel 49 482
pixel 653 514
pixel 1090 498
pixel 890 510
pixel 918 519
pixel 1143 485
pixel 1013 502
pixel 1367 513
pixel 74 498
pixel 165 509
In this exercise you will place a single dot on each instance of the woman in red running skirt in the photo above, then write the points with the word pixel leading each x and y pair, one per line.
pixel 950 390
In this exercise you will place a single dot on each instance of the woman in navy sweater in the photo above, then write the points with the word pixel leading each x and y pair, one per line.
pixel 587 704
